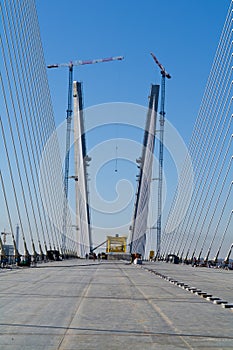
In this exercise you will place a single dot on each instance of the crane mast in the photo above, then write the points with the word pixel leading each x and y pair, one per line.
pixel 164 75
pixel 70 65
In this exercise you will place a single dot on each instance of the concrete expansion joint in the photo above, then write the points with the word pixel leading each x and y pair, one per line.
pixel 205 295
pixel 212 298
pixel 219 301
pixel 181 284
pixel 227 306
pixel 197 292
pixel 200 293
pixel 193 290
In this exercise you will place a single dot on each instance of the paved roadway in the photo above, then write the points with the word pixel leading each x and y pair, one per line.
pixel 79 304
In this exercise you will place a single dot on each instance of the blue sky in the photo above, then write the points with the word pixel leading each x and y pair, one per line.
pixel 183 35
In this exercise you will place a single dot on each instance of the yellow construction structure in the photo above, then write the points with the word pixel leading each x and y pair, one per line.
pixel 151 255
pixel 116 244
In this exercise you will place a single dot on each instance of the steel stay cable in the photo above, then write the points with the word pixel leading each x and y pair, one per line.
pixel 214 236
pixel 173 209
pixel 224 234
pixel 69 216
pixel 19 92
pixel 205 147
pixel 210 78
pixel 201 189
pixel 13 186
pixel 39 99
pixel 215 72
pixel 68 213
pixel 36 78
pixel 216 203
pixel 23 128
pixel 214 186
pixel 218 91
pixel 13 141
pixel 208 93
pixel 11 127
pixel 31 113
pixel 181 212
pixel 23 31
pixel 200 176
pixel 16 253
pixel 176 217
pixel 36 20
pixel 215 208
pixel 213 95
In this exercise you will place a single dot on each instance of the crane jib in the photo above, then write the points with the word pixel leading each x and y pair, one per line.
pixel 83 62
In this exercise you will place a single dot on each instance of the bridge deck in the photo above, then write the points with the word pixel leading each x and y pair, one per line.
pixel 78 304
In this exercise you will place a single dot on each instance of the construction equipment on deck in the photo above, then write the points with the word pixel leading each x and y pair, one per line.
pixel 116 244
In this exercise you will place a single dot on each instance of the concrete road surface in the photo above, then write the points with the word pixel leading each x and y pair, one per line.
pixel 79 304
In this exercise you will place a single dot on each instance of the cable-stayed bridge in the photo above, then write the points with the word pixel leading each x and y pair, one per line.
pixel 105 304
pixel 198 226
